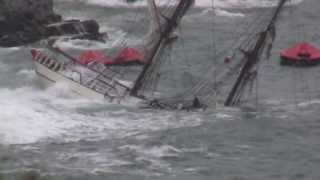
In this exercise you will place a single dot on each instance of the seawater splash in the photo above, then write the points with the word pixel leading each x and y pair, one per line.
pixel 115 38
pixel 26 117
pixel 30 115
pixel 220 12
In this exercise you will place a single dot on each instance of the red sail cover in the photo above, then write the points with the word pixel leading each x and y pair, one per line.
pixel 127 56
pixel 301 51
pixel 93 56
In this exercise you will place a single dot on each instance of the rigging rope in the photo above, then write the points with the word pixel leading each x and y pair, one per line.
pixel 207 88
pixel 213 39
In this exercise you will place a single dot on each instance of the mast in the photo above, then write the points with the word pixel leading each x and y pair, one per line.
pixel 252 58
pixel 164 31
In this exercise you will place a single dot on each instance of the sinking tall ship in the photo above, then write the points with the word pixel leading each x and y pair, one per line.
pixel 113 77
pixel 135 72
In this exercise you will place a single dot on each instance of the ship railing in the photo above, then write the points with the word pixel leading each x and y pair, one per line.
pixel 75 61
pixel 101 86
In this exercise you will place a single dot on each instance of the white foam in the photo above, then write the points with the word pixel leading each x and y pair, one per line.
pixel 154 151
pixel 8 50
pixel 82 44
pixel 27 73
pixel 116 38
pixel 221 12
pixel 309 103
pixel 26 118
pixel 30 115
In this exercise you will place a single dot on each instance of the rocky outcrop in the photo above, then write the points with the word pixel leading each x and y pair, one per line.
pixel 27 21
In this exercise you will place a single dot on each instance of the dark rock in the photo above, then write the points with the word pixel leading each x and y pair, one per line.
pixel 27 21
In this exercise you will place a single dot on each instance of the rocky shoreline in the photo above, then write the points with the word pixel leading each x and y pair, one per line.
pixel 27 21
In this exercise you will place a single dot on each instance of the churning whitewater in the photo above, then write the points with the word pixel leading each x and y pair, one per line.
pixel 31 114
pixel 63 135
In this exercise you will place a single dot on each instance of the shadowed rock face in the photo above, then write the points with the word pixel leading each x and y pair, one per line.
pixel 39 10
pixel 27 21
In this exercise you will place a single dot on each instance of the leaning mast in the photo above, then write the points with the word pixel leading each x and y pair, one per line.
pixel 165 32
pixel 253 56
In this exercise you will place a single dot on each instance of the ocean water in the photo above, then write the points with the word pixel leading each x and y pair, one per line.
pixel 59 135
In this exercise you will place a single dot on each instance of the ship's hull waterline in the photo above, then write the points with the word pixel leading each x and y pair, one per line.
pixel 50 77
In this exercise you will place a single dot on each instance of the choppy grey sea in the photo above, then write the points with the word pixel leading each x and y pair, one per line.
pixel 57 135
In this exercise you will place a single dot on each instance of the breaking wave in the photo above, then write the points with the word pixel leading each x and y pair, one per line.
pixel 115 38
pixel 221 12
pixel 30 115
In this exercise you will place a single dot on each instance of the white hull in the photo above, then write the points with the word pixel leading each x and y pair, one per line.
pixel 50 77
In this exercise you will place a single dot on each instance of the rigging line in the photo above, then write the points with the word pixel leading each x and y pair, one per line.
pixel 305 82
pixel 256 23
pixel 261 22
pixel 198 87
pixel 253 32
pixel 180 31
pixel 207 83
pixel 219 54
pixel 302 76
pixel 125 41
pixel 156 79
pixel 213 39
pixel 205 86
pixel 294 79
pixel 180 10
pixel 153 74
pixel 255 55
pixel 257 84
pixel 251 26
